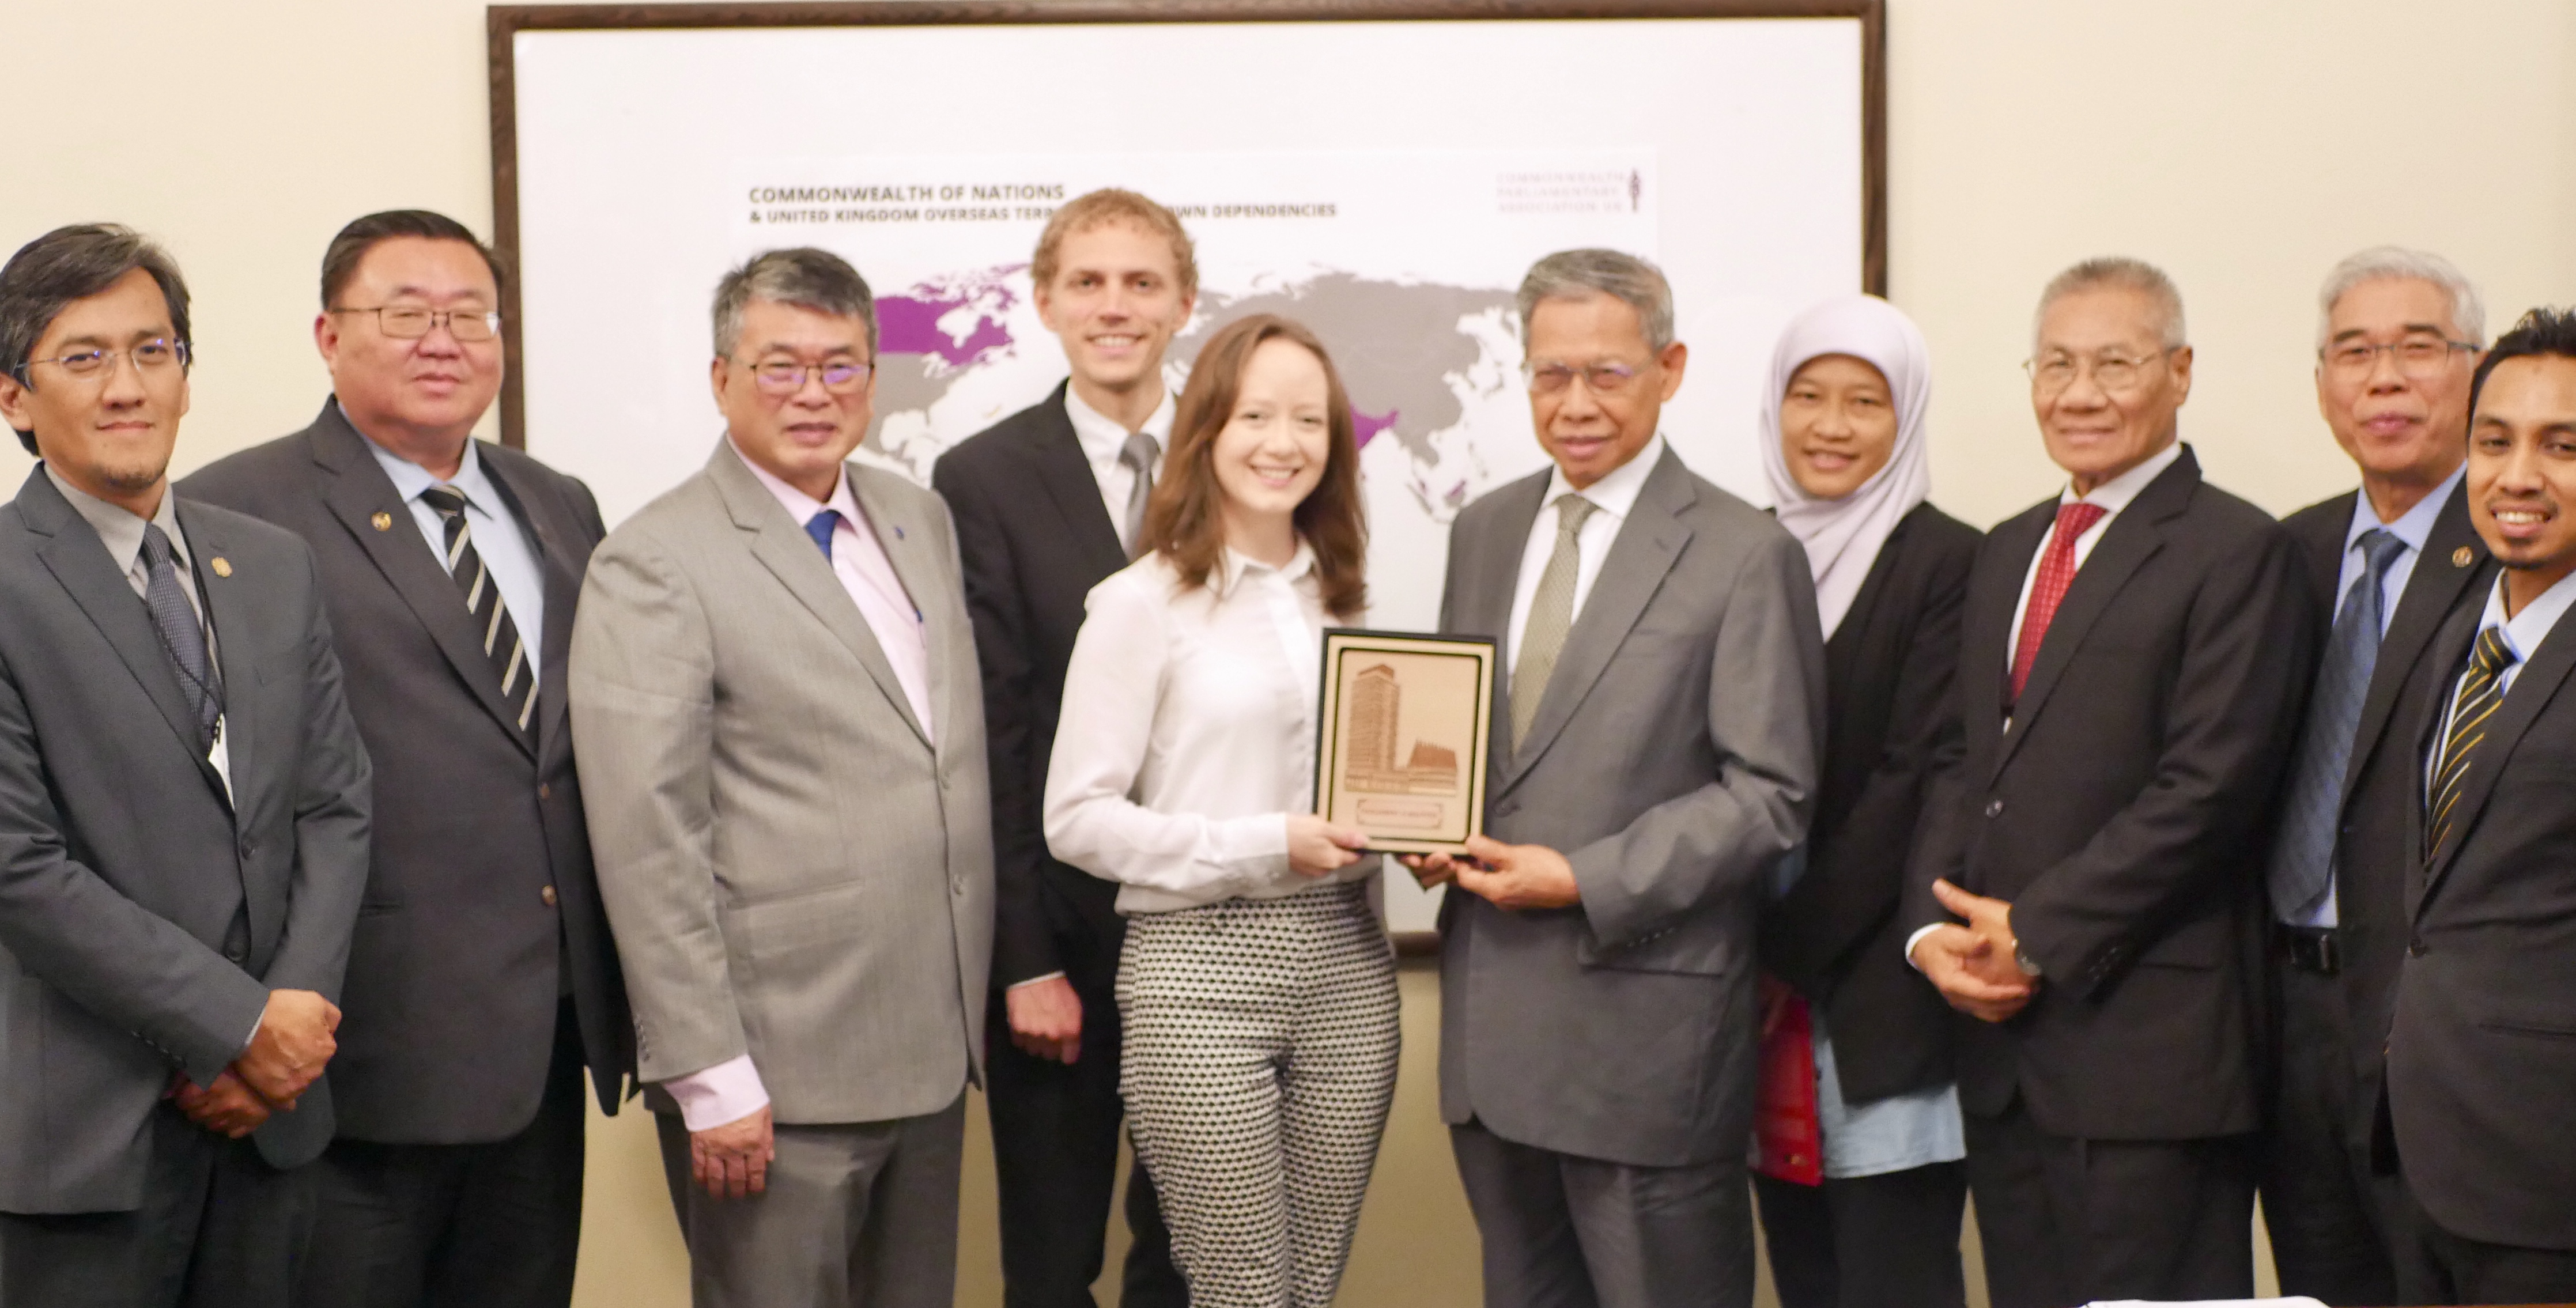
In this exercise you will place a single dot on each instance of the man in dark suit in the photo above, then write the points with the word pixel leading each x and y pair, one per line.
pixel 2482 1051
pixel 482 980
pixel 2398 335
pixel 2130 674
pixel 1047 504
pixel 1654 759
pixel 183 823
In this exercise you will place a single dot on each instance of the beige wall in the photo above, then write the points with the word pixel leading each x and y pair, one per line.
pixel 2244 147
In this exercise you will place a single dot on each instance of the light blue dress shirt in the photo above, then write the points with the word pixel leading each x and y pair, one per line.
pixel 503 544
pixel 2523 633
pixel 2412 529
pixel 1895 1134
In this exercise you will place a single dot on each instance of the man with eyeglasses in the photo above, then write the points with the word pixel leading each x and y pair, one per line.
pixel 1655 757
pixel 2399 336
pixel 782 731
pixel 2087 884
pixel 183 823
pixel 482 981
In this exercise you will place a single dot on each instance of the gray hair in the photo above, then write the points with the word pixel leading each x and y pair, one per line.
pixel 2125 274
pixel 74 263
pixel 1582 274
pixel 2396 262
pixel 805 277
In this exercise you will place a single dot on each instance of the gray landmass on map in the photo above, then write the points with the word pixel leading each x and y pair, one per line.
pixel 1395 344
pixel 909 383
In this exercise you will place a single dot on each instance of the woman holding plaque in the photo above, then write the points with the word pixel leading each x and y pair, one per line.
pixel 1256 987
pixel 1858 1163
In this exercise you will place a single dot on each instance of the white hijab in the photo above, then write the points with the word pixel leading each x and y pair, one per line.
pixel 1843 536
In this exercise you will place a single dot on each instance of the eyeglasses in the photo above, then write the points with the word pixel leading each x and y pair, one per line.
pixel 2418 356
pixel 2111 372
pixel 405 322
pixel 1600 378
pixel 787 377
pixel 152 359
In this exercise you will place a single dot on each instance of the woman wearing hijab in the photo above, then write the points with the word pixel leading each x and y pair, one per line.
pixel 1859 1171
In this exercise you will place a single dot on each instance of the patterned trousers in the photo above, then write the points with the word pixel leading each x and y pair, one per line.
pixel 1260 1061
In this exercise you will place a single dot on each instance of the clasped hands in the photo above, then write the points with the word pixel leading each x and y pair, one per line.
pixel 286 1056
pixel 1977 966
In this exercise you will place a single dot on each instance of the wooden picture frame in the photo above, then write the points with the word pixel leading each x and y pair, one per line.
pixel 1403 736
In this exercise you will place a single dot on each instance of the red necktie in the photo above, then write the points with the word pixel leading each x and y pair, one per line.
pixel 2048 589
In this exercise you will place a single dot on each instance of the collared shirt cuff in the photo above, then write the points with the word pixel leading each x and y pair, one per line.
pixel 1916 939
pixel 1057 975
pixel 727 1092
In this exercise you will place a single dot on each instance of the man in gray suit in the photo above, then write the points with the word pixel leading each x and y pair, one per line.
pixel 183 823
pixel 1655 757
pixel 775 699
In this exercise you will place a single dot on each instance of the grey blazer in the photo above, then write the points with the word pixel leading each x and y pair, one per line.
pixel 791 868
pixel 143 918
pixel 1673 762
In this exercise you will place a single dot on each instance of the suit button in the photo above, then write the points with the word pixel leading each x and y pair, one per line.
pixel 249 846
pixel 1994 808
pixel 957 885
pixel 233 954
pixel 548 895
pixel 2415 946
pixel 545 791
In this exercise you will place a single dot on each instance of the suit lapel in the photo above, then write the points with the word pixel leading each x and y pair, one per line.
pixel 562 582
pixel 2134 536
pixel 240 643
pixel 781 545
pixel 2325 550
pixel 1066 474
pixel 1987 624
pixel 2432 591
pixel 910 546
pixel 1484 608
pixel 363 498
pixel 1645 549
pixel 2532 689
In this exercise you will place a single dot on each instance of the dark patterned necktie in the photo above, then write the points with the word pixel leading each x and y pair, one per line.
pixel 181 634
pixel 492 623
pixel 2480 693
pixel 2303 858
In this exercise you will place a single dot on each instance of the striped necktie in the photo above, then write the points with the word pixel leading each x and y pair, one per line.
pixel 501 642
pixel 2480 693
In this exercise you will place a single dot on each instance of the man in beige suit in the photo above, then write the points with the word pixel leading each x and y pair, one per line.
pixel 773 669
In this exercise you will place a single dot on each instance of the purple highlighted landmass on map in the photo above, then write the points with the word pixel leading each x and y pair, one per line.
pixel 1367 425
pixel 909 323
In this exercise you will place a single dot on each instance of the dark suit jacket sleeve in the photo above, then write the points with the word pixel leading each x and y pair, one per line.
pixel 331 811
pixel 2229 723
pixel 75 932
pixel 1023 945
pixel 1858 875
pixel 1766 717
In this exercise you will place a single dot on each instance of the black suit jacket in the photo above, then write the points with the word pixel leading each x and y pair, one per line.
pixel 481 880
pixel 2482 1051
pixel 2383 780
pixel 1837 935
pixel 146 912
pixel 1035 538
pixel 2123 808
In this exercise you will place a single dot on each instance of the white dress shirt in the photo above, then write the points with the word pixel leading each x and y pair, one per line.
pixel 2523 633
pixel 2412 529
pixel 2111 497
pixel 1612 498
pixel 499 540
pixel 732 1090
pixel 1188 734
pixel 1103 439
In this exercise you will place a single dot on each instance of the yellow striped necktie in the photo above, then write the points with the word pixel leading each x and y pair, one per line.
pixel 2473 705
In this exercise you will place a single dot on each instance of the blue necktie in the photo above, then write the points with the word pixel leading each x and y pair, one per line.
pixel 2303 859
pixel 820 527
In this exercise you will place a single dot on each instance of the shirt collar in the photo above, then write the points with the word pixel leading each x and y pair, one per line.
pixel 1236 566
pixel 2115 494
pixel 799 505
pixel 2524 632
pixel 410 479
pixel 2414 526
pixel 1616 493
pixel 120 531
pixel 1103 438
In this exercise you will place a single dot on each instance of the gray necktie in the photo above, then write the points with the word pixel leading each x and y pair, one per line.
pixel 2303 855
pixel 1137 456
pixel 181 634
pixel 1551 616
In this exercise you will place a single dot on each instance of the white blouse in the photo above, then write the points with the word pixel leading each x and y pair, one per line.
pixel 1188 734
